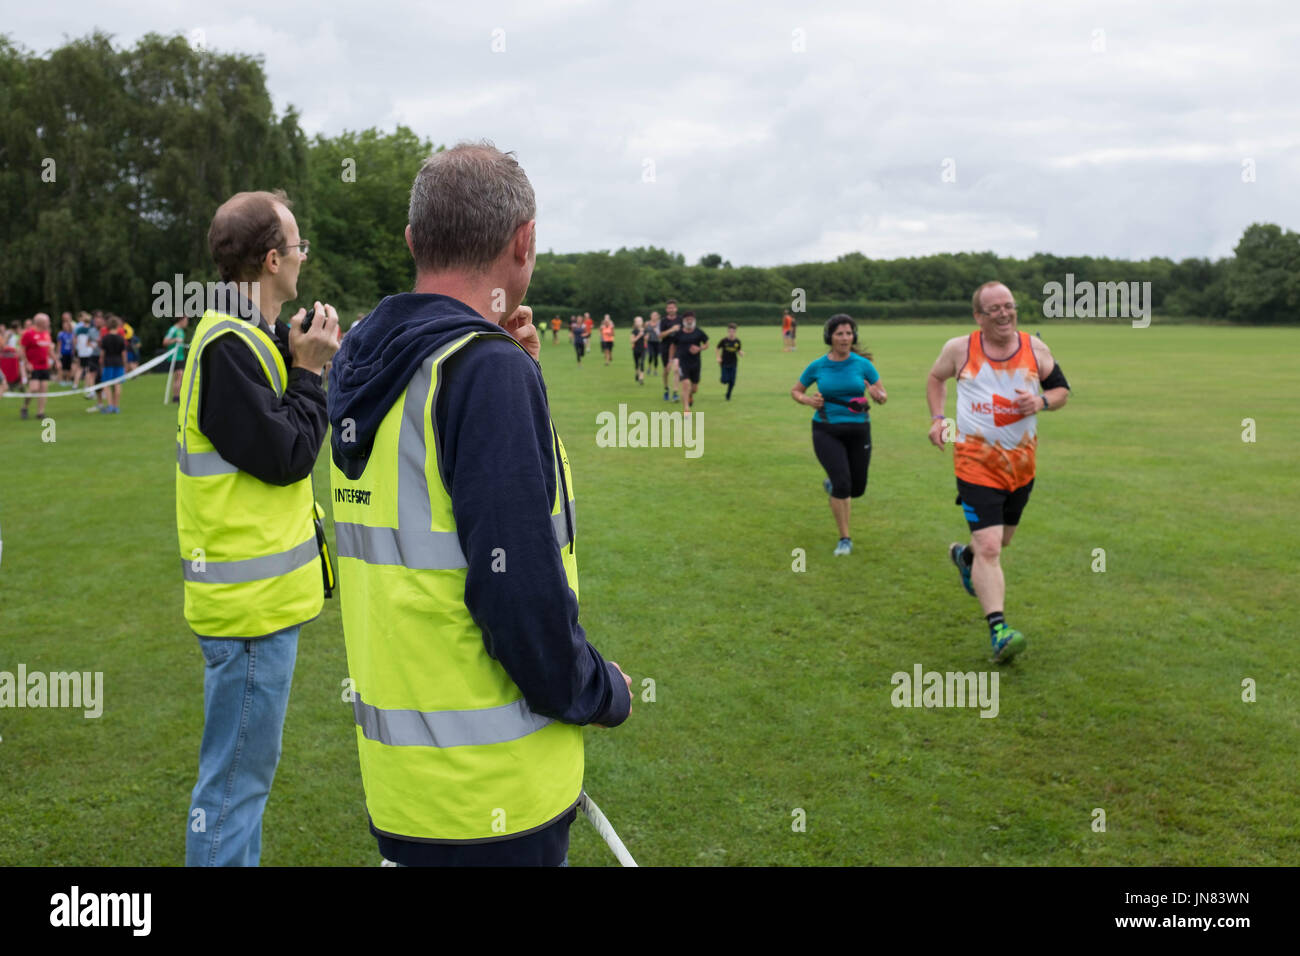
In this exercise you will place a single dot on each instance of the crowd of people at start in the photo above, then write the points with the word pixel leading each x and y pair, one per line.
pixel 96 349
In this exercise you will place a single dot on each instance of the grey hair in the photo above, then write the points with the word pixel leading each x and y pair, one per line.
pixel 466 203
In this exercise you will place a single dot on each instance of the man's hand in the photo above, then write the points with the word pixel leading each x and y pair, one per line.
pixel 627 680
pixel 695 350
pixel 520 326
pixel 936 432
pixel 878 393
pixel 1027 403
pixel 311 350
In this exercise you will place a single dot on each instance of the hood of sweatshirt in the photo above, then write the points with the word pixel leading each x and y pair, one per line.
pixel 380 355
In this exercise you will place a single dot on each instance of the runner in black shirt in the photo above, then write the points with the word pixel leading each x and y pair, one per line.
pixel 112 348
pixel 652 341
pixel 728 357
pixel 638 348
pixel 689 343
pixel 668 327
pixel 578 337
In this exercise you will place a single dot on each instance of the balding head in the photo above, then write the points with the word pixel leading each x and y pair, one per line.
pixel 245 228
pixel 977 300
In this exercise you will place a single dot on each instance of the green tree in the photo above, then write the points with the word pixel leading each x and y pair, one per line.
pixel 358 192
pixel 608 283
pixel 1263 284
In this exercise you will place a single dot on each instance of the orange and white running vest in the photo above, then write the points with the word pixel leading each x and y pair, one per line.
pixel 995 443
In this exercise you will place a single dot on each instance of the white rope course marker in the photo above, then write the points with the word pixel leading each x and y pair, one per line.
pixel 605 829
pixel 69 393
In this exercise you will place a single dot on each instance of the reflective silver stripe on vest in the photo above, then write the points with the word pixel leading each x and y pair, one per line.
pixel 252 569
pixel 420 550
pixel 446 728
pixel 203 464
pixel 562 527
pixel 245 332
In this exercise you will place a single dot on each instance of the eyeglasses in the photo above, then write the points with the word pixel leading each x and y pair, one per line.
pixel 302 247
pixel 999 309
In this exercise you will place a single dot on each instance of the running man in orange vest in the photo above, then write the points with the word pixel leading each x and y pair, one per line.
pixel 1005 377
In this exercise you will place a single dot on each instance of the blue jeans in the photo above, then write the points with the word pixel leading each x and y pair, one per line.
pixel 245 696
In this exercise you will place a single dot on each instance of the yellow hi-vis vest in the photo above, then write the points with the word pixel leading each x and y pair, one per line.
pixel 450 751
pixel 248 549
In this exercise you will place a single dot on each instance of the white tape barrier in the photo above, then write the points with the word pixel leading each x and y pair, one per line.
pixel 71 392
pixel 605 830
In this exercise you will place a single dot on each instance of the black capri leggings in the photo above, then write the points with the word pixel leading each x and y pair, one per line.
pixel 638 359
pixel 844 450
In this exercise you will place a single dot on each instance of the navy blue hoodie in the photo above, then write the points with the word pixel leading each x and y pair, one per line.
pixel 494 423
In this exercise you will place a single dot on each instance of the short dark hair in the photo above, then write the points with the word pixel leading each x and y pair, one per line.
pixel 466 203
pixel 686 315
pixel 732 325
pixel 671 302
pixel 245 228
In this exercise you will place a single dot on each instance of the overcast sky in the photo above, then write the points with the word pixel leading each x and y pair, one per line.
pixel 775 132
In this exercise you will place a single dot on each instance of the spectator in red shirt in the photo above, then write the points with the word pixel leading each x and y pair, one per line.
pixel 38 353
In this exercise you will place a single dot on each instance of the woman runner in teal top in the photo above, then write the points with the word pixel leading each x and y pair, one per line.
pixel 841 427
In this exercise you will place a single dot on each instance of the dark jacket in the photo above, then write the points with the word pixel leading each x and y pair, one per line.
pixel 275 439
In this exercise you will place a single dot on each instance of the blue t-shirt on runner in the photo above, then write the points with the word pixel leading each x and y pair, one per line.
pixel 842 380
pixel 65 343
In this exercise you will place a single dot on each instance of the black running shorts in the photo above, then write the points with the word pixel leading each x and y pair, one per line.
pixel 987 507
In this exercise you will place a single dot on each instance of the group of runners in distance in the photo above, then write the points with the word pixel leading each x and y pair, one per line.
pixel 1005 377
pixel 672 339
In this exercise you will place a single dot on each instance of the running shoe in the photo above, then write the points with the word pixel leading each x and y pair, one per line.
pixel 844 547
pixel 674 396
pixel 1007 643
pixel 954 553
pixel 22 413
pixel 666 395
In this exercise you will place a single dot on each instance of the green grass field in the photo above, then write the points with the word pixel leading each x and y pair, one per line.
pixel 772 687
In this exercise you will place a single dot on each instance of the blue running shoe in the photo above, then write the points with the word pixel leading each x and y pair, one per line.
pixel 844 547
pixel 1007 643
pixel 954 552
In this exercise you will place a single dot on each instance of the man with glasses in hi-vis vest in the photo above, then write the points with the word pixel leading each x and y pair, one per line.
pixel 455 524
pixel 250 425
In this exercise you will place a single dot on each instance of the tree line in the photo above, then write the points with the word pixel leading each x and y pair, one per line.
pixel 113 160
